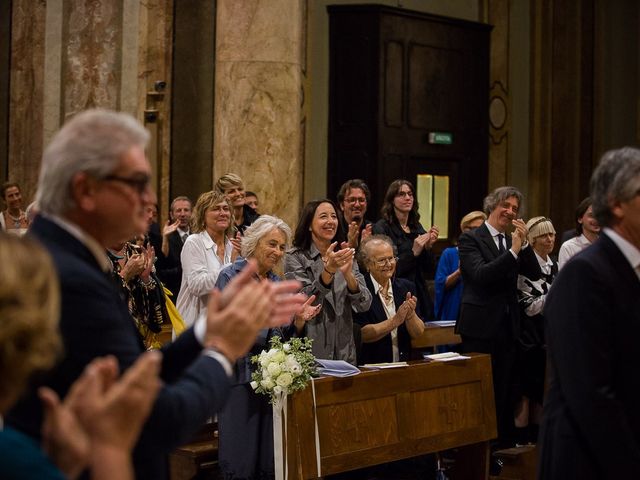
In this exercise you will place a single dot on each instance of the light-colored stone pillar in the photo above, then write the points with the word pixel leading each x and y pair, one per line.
pixel 258 101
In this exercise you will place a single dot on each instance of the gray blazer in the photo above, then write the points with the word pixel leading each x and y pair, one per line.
pixel 332 330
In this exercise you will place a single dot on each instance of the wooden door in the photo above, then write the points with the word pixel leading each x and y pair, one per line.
pixel 398 79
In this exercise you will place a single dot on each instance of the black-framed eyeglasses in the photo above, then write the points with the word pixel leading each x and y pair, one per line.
pixel 139 183
pixel 404 194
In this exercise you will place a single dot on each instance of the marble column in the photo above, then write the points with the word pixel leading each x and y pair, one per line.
pixel 258 101
pixel 26 94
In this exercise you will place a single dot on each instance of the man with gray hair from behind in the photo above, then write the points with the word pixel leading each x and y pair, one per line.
pixel 591 421
pixel 95 182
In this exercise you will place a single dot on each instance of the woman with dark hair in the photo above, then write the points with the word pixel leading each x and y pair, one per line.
pixel 587 231
pixel 401 222
pixel 322 261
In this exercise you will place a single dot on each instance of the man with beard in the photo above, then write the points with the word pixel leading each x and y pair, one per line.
pixel 353 197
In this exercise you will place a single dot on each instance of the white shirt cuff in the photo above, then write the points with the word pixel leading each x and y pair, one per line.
pixel 199 330
pixel 222 360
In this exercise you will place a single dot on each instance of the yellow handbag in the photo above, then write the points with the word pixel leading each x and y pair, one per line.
pixel 176 320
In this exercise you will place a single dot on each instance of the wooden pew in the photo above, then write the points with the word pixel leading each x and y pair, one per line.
pixel 198 459
pixel 385 415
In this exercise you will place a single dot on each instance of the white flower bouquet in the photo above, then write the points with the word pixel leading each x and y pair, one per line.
pixel 284 369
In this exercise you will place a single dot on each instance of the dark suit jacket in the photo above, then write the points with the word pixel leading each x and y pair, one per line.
pixel 591 422
pixel 169 268
pixel 95 322
pixel 490 293
pixel 380 350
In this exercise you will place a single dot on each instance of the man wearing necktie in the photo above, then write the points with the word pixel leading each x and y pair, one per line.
pixel 489 318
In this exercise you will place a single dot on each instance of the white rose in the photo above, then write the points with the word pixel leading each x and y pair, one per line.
pixel 296 369
pixel 277 390
pixel 279 356
pixel 267 383
pixel 284 380
pixel 286 347
pixel 254 385
pixel 274 369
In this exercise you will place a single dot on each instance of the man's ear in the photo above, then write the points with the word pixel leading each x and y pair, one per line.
pixel 615 207
pixel 83 189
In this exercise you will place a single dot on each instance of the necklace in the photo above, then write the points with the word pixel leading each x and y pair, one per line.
pixel 17 221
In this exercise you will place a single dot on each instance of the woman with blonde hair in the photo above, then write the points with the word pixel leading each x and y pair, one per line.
pixel 531 348
pixel 448 280
pixel 99 421
pixel 207 251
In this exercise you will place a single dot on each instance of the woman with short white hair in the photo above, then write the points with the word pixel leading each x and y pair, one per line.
pixel 246 423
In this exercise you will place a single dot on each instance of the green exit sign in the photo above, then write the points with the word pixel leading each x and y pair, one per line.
pixel 440 138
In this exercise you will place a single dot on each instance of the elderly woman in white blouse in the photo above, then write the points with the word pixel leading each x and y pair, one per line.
pixel 205 253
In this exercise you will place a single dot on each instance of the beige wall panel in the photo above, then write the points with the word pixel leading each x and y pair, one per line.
pixel 26 94
pixel 258 100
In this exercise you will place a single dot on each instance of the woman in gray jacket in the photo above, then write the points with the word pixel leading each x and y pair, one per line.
pixel 324 264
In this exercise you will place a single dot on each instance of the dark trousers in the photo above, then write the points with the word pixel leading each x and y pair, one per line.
pixel 502 349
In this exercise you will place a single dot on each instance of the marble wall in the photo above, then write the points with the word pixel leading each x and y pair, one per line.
pixel 26 93
pixel 70 55
pixel 258 130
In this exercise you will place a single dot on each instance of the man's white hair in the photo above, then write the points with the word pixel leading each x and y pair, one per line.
pixel 93 141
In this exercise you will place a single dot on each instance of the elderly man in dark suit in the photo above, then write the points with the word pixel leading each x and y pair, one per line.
pixel 489 318
pixel 591 421
pixel 93 189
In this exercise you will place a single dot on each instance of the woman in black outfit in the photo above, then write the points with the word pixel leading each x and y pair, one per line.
pixel 401 222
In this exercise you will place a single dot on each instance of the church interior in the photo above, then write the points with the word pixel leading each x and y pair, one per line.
pixel 298 96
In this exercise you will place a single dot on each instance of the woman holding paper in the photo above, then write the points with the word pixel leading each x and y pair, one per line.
pixel 391 322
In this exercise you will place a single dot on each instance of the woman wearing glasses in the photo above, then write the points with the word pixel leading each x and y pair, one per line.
pixel 323 262
pixel 401 222
pixel 393 319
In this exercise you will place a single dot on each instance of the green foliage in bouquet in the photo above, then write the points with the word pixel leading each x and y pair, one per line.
pixel 284 369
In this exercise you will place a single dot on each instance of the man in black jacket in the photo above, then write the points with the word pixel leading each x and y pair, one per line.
pixel 489 318
pixel 591 421
pixel 174 234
